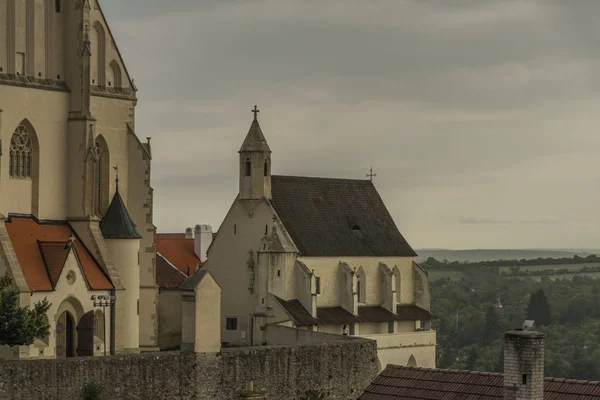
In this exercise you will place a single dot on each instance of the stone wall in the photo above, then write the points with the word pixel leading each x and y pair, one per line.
pixel 341 369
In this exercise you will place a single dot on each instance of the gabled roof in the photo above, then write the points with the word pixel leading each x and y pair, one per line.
pixel 411 383
pixel 54 255
pixel 167 275
pixel 297 312
pixel 336 217
pixel 117 224
pixel 26 232
pixel 179 251
pixel 255 140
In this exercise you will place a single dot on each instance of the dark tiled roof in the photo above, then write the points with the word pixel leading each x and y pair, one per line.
pixel 117 223
pixel 337 217
pixel 412 312
pixel 376 314
pixel 297 312
pixel 191 282
pixel 336 316
pixel 255 140
pixel 54 255
pixel 167 275
pixel 411 383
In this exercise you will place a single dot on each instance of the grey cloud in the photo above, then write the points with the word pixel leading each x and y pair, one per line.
pixel 462 107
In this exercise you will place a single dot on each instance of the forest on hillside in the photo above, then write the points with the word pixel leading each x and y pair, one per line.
pixel 473 312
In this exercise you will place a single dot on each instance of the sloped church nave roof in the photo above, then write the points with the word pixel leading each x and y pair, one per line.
pixel 329 217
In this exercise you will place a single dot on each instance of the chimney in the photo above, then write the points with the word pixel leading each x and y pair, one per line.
pixel 189 233
pixel 523 365
pixel 203 239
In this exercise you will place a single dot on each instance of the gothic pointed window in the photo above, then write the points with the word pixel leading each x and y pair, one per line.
pixel 248 171
pixel 97 154
pixel 20 154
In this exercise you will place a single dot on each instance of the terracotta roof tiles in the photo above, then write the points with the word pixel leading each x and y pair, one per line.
pixel 179 251
pixel 167 275
pixel 26 232
pixel 412 383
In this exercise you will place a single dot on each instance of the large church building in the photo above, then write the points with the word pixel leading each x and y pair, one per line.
pixel 317 254
pixel 75 196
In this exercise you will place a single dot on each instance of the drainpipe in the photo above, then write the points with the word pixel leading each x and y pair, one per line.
pixel 112 323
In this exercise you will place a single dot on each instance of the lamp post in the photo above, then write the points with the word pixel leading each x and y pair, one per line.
pixel 104 301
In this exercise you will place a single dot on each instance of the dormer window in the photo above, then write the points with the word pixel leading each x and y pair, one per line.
pixel 248 171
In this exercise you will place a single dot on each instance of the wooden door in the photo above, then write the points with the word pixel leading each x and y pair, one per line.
pixel 85 336
pixel 61 336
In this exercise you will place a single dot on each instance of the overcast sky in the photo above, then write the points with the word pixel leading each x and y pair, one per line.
pixel 481 118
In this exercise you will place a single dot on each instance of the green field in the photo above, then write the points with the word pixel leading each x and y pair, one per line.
pixel 570 267
pixel 440 273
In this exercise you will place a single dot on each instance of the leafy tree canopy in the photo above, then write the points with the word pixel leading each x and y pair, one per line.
pixel 20 326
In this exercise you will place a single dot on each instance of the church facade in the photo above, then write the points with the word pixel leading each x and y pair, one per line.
pixel 318 254
pixel 70 231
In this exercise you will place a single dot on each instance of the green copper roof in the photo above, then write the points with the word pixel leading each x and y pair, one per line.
pixel 117 223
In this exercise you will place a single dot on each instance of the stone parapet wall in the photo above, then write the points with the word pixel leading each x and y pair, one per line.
pixel 342 370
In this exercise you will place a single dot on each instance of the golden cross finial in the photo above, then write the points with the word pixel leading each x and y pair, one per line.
pixel 255 111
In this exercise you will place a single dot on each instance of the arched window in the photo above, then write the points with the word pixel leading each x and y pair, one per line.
pixel 398 279
pixel 116 75
pixel 248 171
pixel 101 175
pixel 361 286
pixel 20 163
pixel 412 362
pixel 99 53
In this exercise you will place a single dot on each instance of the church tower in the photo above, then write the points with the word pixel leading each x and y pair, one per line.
pixel 255 164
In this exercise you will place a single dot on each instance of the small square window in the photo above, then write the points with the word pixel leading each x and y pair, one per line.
pixel 231 324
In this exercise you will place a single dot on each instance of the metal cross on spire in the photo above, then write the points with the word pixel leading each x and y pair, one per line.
pixel 116 168
pixel 371 175
pixel 255 111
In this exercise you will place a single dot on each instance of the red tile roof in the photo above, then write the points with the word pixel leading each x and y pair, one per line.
pixel 179 251
pixel 167 275
pixel 26 232
pixel 54 255
pixel 411 383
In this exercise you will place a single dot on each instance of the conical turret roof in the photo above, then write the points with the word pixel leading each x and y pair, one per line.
pixel 255 140
pixel 117 224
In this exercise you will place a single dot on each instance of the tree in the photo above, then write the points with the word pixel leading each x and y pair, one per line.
pixel 539 309
pixel 20 326
pixel 491 325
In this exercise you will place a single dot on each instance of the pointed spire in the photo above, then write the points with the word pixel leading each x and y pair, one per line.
pixel 255 140
pixel 117 224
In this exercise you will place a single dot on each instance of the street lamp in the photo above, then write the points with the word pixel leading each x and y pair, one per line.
pixel 104 301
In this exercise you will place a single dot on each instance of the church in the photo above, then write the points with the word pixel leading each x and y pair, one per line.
pixel 75 198
pixel 317 254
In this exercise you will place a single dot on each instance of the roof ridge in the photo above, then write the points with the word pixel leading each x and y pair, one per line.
pixel 447 371
pixel 322 177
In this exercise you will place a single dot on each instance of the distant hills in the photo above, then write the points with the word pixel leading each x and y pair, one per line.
pixel 500 254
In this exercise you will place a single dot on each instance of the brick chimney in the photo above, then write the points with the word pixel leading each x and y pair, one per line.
pixel 189 233
pixel 523 365
pixel 202 240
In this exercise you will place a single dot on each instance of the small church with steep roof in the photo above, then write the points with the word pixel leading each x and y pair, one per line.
pixel 69 231
pixel 317 254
